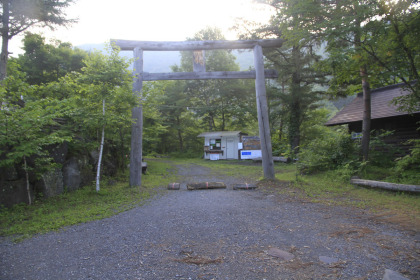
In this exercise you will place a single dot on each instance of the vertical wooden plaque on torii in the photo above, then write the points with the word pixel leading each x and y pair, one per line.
pixel 200 73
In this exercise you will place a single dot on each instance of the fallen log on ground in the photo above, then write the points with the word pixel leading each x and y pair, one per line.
pixel 174 186
pixel 206 185
pixel 244 186
pixel 386 185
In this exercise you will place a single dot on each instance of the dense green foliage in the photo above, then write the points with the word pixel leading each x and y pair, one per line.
pixel 44 63
pixel 330 150
pixel 407 168
pixel 35 117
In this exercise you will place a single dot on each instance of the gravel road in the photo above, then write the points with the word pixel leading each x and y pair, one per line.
pixel 219 234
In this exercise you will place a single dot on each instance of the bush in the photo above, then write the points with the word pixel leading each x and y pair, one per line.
pixel 407 168
pixel 332 150
pixel 382 154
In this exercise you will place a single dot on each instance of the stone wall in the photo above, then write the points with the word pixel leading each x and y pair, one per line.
pixel 71 173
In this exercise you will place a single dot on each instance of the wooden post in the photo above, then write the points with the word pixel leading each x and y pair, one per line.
pixel 137 126
pixel 262 110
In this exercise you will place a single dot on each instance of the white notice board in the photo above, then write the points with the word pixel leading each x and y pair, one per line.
pixel 250 154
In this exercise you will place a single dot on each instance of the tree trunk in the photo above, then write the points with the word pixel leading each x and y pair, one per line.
pixel 366 114
pixel 98 169
pixel 5 40
pixel 281 129
pixel 181 142
pixel 28 187
pixel 294 123
pixel 223 118
pixel 295 109
pixel 122 152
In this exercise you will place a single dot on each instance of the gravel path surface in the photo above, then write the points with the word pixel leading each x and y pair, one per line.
pixel 219 234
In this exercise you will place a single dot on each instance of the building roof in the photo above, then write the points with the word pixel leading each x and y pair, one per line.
pixel 221 134
pixel 381 106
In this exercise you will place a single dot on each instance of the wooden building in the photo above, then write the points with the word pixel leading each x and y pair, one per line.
pixel 384 116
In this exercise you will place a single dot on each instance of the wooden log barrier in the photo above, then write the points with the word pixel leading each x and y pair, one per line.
pixel 244 186
pixel 206 185
pixel 386 185
pixel 174 186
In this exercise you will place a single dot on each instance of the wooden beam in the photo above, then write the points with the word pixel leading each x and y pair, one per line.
pixel 262 110
pixel 128 45
pixel 206 75
pixel 136 152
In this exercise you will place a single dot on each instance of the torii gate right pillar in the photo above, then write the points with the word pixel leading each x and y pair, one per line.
pixel 262 110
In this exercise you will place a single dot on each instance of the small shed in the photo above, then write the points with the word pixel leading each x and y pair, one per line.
pixel 384 116
pixel 222 144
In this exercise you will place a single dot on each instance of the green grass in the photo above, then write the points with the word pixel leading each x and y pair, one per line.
pixel 333 188
pixel 233 168
pixel 83 205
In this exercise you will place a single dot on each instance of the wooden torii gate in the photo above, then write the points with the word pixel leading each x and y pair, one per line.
pixel 198 48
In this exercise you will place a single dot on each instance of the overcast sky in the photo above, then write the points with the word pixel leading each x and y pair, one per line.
pixel 150 20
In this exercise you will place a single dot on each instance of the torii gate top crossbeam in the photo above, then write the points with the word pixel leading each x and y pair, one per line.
pixel 128 45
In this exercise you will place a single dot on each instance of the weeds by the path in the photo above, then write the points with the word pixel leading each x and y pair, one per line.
pixel 84 204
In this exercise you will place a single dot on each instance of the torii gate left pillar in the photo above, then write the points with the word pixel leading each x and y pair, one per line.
pixel 259 75
pixel 136 153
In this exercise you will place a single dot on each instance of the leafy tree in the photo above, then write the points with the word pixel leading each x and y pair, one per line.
pixel 154 126
pixel 26 130
pixel 180 120
pixel 19 15
pixel 105 78
pixel 173 108
pixel 45 63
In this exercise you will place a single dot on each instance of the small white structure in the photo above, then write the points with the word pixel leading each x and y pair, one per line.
pixel 222 144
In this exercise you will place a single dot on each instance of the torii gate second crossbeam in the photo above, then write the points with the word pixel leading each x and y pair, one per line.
pixel 198 47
